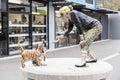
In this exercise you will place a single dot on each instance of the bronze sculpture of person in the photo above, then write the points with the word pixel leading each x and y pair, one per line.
pixel 88 28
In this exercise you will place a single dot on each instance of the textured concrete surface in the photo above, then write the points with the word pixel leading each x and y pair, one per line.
pixel 64 69
pixel 10 67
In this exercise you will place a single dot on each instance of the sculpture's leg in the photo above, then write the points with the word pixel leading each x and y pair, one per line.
pixel 22 62
pixel 90 36
pixel 37 61
pixel 83 57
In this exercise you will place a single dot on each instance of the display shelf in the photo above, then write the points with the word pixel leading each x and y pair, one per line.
pixel 18 25
pixel 35 43
pixel 42 8
pixel 38 34
pixel 38 25
pixel 16 45
pixel 72 32
pixel 18 35
pixel 15 52
pixel 36 13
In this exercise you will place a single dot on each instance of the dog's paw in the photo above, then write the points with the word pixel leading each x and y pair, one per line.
pixel 23 65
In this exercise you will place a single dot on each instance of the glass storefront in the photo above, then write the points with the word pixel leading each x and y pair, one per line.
pixel 22 20
pixel 29 20
pixel 18 24
pixel 61 27
pixel 39 23
pixel 18 30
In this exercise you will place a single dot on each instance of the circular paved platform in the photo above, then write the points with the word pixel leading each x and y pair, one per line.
pixel 64 69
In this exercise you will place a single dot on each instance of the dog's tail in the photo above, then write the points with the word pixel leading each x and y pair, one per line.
pixel 20 47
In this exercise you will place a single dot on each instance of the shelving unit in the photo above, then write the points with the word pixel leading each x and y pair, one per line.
pixel 38 34
pixel 18 27
pixel 20 32
pixel 39 26
pixel 18 35
pixel 23 20
pixel 62 32
pixel 36 43
pixel 16 45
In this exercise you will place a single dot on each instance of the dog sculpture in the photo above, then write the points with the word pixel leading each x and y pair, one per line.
pixel 30 54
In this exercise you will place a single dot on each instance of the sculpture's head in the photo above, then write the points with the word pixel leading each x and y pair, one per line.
pixel 65 10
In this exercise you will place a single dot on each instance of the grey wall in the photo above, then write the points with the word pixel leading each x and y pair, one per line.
pixel 114 22
pixel 104 21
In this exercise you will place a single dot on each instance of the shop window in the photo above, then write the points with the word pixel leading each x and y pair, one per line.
pixel 61 28
pixel 39 20
pixel 39 8
pixel 18 6
pixel 18 30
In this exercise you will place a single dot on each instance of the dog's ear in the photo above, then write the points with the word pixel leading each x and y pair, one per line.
pixel 40 46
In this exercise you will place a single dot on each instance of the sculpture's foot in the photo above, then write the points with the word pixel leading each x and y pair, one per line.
pixel 44 58
pixel 80 65
pixel 38 64
pixel 91 61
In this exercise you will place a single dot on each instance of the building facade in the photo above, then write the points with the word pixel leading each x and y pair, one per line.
pixel 34 21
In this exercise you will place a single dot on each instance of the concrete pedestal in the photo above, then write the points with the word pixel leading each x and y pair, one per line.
pixel 64 69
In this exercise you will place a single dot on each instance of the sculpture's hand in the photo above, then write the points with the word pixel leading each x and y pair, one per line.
pixel 58 38
pixel 81 37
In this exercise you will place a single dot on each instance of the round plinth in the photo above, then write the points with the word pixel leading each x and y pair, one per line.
pixel 64 69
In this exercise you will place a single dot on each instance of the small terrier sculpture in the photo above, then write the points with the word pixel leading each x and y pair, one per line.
pixel 30 54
